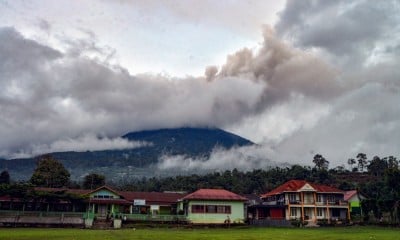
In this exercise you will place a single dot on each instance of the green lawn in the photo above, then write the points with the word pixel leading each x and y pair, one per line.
pixel 348 233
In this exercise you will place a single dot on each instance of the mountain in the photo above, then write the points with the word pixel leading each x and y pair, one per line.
pixel 137 162
pixel 188 141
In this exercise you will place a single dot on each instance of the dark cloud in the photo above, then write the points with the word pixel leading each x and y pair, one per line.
pixel 49 95
pixel 347 29
pixel 335 92
pixel 72 93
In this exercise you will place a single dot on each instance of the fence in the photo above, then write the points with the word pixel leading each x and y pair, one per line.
pixel 270 222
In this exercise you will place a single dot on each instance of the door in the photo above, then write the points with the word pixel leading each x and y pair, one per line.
pixel 102 210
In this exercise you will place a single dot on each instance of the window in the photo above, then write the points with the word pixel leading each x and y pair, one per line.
pixel 293 198
pixel 211 209
pixel 331 198
pixel 227 209
pixel 320 212
pixel 335 212
pixel 293 212
pixel 320 198
pixel 197 208
pixel 102 196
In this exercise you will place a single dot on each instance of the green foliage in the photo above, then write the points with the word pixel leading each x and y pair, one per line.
pixel 377 166
pixel 191 142
pixel 320 162
pixel 17 190
pixel 93 181
pixel 362 161
pixel 298 223
pixel 4 177
pixel 50 173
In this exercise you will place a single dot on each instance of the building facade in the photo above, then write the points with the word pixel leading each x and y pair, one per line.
pixel 213 206
pixel 301 200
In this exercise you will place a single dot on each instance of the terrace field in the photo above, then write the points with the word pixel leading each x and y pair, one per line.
pixel 347 233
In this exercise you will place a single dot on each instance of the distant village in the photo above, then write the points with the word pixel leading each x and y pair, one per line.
pixel 46 200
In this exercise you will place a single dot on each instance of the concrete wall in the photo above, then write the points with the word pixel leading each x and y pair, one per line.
pixel 236 215
pixel 41 220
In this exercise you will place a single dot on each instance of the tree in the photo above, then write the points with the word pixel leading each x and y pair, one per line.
pixel 320 162
pixel 377 166
pixel 4 177
pixel 351 162
pixel 392 162
pixel 93 181
pixel 50 173
pixel 362 161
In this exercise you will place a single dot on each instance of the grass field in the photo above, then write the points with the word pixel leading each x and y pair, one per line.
pixel 369 233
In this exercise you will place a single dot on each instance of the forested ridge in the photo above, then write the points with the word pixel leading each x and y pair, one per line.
pixel 378 179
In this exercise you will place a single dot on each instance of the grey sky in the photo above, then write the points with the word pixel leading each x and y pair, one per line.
pixel 317 77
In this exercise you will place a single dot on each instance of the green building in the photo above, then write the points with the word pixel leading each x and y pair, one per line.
pixel 354 198
pixel 213 206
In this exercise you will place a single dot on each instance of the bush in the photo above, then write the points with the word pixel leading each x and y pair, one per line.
pixel 298 223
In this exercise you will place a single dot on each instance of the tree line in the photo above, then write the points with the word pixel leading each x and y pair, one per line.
pixel 376 178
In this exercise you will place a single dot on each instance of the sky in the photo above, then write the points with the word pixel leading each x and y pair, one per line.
pixel 296 77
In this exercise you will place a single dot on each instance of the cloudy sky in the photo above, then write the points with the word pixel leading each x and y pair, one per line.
pixel 297 77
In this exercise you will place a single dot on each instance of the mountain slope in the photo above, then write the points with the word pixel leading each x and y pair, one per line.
pixel 189 141
pixel 137 162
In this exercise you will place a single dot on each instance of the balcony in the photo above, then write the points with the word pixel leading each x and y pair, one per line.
pixel 333 203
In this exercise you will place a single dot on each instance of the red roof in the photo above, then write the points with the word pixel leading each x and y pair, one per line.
pixel 67 190
pixel 349 194
pixel 296 185
pixel 127 197
pixel 214 194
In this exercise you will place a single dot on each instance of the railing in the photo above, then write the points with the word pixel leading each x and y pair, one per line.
pixel 307 202
pixel 41 214
pixel 31 218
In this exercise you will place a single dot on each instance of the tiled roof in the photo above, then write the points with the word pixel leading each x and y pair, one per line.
pixel 296 185
pixel 349 194
pixel 153 197
pixel 214 194
pixel 150 197
pixel 109 201
pixel 67 190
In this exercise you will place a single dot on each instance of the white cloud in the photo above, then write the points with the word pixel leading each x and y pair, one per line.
pixel 87 142
pixel 243 158
pixel 330 86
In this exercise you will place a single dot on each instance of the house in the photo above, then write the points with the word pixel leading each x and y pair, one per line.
pixel 101 203
pixel 354 199
pixel 213 206
pixel 301 200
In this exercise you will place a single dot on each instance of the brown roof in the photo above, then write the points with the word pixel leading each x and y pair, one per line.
pixel 109 201
pixel 214 194
pixel 153 197
pixel 296 185
pixel 67 190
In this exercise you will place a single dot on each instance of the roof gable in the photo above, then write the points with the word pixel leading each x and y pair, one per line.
pixel 352 195
pixel 307 187
pixel 104 189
